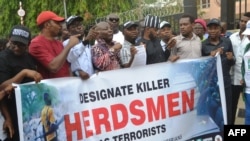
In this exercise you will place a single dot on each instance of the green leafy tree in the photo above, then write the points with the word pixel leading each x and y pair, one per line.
pixel 88 9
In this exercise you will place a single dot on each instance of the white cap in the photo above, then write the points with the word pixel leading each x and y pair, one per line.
pixel 165 23
pixel 247 30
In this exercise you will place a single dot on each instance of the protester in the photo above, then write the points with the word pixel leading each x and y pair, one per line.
pixel 188 44
pixel 165 34
pixel 48 51
pixel 114 21
pixel 155 53
pixel 200 28
pixel 128 50
pixel 106 53
pixel 246 74
pixel 239 42
pixel 14 60
pixel 80 55
pixel 214 44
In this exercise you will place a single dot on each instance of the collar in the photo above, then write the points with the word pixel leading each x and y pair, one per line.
pixel 193 37
pixel 163 43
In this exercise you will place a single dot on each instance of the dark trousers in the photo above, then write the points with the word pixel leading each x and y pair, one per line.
pixel 228 95
pixel 236 90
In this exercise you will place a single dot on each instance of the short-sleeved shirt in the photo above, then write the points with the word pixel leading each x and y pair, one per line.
pixel 44 51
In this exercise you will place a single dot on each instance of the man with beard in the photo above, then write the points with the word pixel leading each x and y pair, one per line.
pixel 80 55
pixel 188 45
pixel 47 50
pixel 128 51
pixel 154 51
pixel 215 43
pixel 106 53
pixel 113 20
pixel 239 42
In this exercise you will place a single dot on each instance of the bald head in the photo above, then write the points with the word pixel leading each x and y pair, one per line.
pixel 101 26
pixel 104 30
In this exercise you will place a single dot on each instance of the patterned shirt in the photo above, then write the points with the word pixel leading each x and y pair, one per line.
pixel 125 52
pixel 104 59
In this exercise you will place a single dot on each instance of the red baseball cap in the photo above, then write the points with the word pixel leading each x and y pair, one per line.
pixel 202 22
pixel 48 15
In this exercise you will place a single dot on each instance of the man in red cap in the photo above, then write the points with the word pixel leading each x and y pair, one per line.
pixel 47 50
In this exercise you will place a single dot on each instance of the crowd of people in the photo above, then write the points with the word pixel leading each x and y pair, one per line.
pixel 63 49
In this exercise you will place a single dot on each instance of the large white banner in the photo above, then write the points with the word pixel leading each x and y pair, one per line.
pixel 161 102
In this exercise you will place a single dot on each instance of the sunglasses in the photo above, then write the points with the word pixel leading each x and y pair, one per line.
pixel 114 19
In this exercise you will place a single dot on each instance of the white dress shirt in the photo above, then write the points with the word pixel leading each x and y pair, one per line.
pixel 80 58
pixel 238 48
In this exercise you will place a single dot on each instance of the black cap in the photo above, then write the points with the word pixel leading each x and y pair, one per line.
pixel 21 34
pixel 129 24
pixel 71 19
pixel 214 21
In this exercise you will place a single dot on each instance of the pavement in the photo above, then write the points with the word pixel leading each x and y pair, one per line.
pixel 240 113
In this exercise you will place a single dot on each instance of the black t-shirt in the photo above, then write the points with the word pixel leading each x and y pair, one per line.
pixel 10 65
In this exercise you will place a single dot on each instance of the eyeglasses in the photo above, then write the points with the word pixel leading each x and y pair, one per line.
pixel 114 19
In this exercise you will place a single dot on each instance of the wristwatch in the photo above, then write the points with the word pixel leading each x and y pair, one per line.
pixel 76 73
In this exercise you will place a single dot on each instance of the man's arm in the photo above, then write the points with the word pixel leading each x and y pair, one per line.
pixel 7 126
pixel 60 59
pixel 21 75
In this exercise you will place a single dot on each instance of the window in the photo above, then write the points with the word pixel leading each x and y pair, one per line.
pixel 205 3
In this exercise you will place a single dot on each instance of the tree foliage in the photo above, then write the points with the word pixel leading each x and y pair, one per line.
pixel 33 99
pixel 88 9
